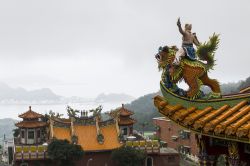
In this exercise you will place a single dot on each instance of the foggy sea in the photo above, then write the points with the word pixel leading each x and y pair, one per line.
pixel 13 110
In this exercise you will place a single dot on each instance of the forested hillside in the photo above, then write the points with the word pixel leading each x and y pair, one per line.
pixel 144 110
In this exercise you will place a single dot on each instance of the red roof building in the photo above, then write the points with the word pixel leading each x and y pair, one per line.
pixel 125 121
pixel 31 128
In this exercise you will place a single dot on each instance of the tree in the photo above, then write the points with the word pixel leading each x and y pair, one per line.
pixel 64 153
pixel 16 132
pixel 128 156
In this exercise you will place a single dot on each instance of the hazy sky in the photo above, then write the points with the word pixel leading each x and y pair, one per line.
pixel 83 48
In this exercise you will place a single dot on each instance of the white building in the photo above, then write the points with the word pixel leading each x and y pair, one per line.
pixel 8 145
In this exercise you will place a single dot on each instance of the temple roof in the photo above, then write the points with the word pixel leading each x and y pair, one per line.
pixel 30 114
pixel 87 136
pixel 31 124
pixel 226 122
pixel 126 121
pixel 125 112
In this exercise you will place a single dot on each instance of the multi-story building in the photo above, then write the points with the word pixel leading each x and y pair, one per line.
pixel 125 121
pixel 175 136
pixel 30 145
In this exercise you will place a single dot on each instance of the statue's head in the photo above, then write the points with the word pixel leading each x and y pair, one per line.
pixel 166 54
pixel 188 27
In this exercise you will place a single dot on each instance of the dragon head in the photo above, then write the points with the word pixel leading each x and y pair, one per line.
pixel 165 55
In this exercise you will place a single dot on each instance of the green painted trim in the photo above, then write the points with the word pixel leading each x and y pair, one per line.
pixel 174 99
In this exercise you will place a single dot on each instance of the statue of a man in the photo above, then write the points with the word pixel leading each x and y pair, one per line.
pixel 188 39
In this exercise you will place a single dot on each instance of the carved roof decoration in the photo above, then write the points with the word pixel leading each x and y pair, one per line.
pixel 30 114
pixel 226 122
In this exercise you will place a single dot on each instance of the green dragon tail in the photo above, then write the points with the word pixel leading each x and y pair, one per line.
pixel 207 50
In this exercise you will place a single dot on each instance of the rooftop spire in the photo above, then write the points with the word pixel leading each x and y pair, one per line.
pixel 29 108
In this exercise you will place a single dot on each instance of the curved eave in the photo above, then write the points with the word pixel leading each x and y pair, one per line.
pixel 31 124
pixel 230 100
pixel 126 122
pixel 198 120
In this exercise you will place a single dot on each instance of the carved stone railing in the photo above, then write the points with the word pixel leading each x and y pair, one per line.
pixel 30 152
pixel 150 146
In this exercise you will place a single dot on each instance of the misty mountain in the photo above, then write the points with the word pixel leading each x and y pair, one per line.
pixel 114 97
pixel 6 127
pixel 9 94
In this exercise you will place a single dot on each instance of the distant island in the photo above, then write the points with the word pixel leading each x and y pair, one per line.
pixel 114 97
pixel 10 95
pixel 20 95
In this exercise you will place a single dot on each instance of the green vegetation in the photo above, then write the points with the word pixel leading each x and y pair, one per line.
pixel 64 153
pixel 144 110
pixel 128 156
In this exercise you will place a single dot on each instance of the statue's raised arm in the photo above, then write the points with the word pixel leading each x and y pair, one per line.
pixel 179 26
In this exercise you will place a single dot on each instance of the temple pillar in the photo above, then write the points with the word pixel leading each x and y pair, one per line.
pixel 130 130
pixel 204 158
pixel 233 154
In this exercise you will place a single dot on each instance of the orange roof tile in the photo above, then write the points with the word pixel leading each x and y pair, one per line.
pixel 62 133
pixel 30 114
pixel 87 136
pixel 226 121
pixel 31 124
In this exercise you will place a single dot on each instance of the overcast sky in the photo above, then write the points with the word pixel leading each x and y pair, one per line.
pixel 83 48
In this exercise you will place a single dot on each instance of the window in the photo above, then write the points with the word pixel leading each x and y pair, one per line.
pixel 184 134
pixel 125 131
pixel 31 135
pixel 22 134
pixel 174 138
